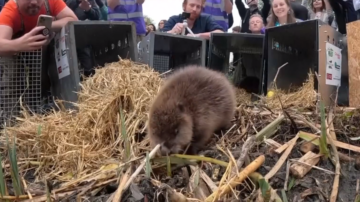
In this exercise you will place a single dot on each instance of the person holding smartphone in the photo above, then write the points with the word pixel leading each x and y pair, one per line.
pixel 18 23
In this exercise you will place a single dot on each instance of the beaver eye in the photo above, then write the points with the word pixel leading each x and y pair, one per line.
pixel 176 131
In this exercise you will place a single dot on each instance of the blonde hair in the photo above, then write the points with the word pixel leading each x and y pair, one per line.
pixel 256 15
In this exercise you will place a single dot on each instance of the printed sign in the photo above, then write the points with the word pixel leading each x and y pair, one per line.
pixel 333 65
pixel 62 61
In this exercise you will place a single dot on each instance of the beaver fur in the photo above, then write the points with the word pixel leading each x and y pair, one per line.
pixel 192 104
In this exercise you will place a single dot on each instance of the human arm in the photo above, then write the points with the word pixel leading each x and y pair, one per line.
pixel 113 3
pixel 228 6
pixel 211 27
pixel 328 6
pixel 170 24
pixel 30 41
pixel 265 10
pixel 94 12
pixel 231 20
pixel 241 8
pixel 63 15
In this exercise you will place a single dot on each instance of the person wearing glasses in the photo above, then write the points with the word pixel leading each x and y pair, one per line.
pixel 161 25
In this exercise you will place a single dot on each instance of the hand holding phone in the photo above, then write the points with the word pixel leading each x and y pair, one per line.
pixel 32 40
pixel 46 21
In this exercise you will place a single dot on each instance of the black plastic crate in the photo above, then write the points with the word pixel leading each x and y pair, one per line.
pixel 20 79
pixel 108 40
pixel 163 51
pixel 303 47
pixel 249 47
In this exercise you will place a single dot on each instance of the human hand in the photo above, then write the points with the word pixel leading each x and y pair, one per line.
pixel 85 5
pixel 32 40
pixel 193 35
pixel 51 37
pixel 177 29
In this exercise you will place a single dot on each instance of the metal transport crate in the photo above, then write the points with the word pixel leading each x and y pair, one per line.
pixel 304 46
pixel 20 79
pixel 163 51
pixel 249 47
pixel 107 40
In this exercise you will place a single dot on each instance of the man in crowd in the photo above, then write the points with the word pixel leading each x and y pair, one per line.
pixel 18 20
pixel 256 24
pixel 85 10
pixel 219 10
pixel 201 25
pixel 246 13
pixel 128 10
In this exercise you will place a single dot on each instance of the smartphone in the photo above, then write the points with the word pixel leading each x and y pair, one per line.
pixel 46 21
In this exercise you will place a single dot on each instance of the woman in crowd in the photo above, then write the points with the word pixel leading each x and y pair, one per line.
pixel 161 25
pixel 281 14
pixel 150 28
pixel 321 9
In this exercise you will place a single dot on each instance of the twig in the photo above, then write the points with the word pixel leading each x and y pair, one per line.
pixel 202 158
pixel 120 189
pixel 278 71
pixel 249 143
pixel 282 159
pixel 138 170
pixel 316 167
pixel 287 175
pixel 265 131
pixel 226 188
pixel 117 195
pixel 26 188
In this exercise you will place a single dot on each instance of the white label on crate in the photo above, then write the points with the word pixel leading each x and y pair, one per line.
pixel 62 61
pixel 333 65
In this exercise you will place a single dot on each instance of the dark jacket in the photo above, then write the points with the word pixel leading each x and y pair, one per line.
pixel 300 11
pixel 2 4
pixel 92 14
pixel 245 13
pixel 205 23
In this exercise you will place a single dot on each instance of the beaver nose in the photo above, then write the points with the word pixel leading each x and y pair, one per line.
pixel 164 151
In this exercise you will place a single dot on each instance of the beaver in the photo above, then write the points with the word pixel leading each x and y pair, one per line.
pixel 192 104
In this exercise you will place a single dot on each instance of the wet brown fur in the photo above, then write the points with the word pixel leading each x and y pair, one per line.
pixel 193 103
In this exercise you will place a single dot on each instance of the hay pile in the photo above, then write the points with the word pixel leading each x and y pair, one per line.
pixel 78 143
pixel 303 97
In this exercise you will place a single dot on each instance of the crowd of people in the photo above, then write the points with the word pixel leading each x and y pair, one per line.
pixel 18 18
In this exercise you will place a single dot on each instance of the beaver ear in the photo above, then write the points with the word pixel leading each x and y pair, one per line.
pixel 180 106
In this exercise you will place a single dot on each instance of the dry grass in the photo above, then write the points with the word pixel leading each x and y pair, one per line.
pixel 74 144
pixel 301 98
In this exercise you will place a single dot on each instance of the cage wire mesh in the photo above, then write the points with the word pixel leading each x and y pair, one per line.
pixel 20 78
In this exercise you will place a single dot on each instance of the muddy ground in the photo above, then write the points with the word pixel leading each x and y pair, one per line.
pixel 315 186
